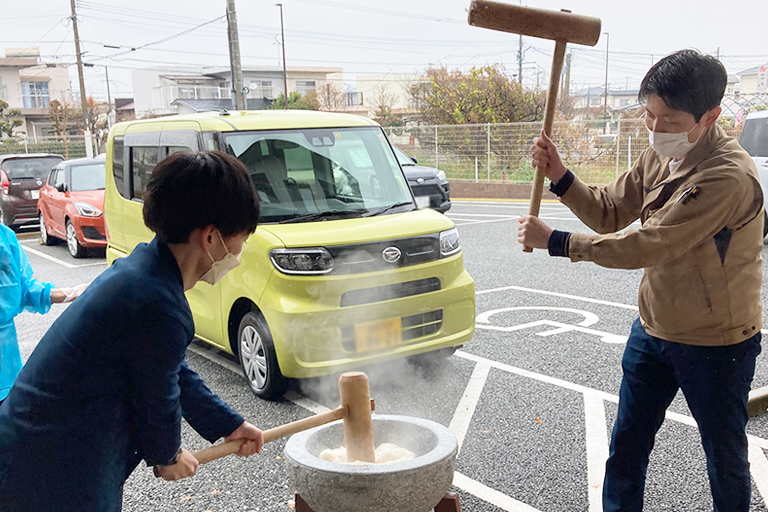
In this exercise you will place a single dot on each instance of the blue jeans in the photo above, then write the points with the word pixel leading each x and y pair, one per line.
pixel 715 382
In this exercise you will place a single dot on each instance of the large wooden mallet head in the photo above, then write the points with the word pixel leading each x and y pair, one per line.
pixel 561 26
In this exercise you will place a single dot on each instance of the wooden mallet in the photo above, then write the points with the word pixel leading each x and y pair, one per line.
pixel 561 26
pixel 355 410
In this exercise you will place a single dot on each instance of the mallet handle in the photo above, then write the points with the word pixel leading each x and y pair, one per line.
pixel 230 447
pixel 549 117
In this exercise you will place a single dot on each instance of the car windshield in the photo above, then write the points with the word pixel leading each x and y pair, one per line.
pixel 88 177
pixel 754 137
pixel 402 157
pixel 318 174
pixel 21 168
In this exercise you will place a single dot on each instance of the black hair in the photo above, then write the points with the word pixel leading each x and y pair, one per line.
pixel 188 191
pixel 686 80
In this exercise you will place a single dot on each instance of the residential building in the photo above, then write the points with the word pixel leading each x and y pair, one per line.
pixel 593 98
pixel 29 85
pixel 172 90
pixel 754 80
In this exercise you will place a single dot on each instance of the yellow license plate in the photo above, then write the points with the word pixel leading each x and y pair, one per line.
pixel 377 335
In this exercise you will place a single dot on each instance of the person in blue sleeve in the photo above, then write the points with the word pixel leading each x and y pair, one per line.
pixel 108 384
pixel 20 291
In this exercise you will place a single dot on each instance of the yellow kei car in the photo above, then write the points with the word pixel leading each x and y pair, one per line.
pixel 343 270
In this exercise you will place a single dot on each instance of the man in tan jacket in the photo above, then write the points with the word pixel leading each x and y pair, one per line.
pixel 698 197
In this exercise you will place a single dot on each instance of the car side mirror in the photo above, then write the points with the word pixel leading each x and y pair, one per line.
pixel 61 187
pixel 414 160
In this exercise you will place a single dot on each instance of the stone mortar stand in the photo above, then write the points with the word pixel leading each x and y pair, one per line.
pixel 415 485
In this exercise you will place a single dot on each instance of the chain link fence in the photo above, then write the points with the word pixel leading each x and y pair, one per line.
pixel 594 150
pixel 72 147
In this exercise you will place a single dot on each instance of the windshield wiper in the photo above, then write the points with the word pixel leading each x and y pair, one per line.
pixel 387 208
pixel 324 215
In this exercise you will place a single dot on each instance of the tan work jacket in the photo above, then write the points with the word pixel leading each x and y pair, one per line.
pixel 700 240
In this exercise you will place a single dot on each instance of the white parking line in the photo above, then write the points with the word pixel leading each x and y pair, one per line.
pixel 57 260
pixel 466 408
pixel 490 495
pixel 597 449
pixel 561 295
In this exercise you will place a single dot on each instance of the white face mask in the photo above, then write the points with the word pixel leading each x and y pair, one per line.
pixel 672 145
pixel 220 268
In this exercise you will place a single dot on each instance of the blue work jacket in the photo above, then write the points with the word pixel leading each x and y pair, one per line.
pixel 19 291
pixel 106 387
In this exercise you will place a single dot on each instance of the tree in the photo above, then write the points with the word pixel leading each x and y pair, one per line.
pixel 9 120
pixel 482 95
pixel 384 102
pixel 296 101
pixel 331 98
pixel 62 115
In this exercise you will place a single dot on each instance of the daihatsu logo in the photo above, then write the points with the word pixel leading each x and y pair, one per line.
pixel 391 254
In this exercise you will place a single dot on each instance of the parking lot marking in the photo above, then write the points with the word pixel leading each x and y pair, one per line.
pixel 466 408
pixel 490 495
pixel 597 448
pixel 758 468
pixel 560 295
pixel 57 260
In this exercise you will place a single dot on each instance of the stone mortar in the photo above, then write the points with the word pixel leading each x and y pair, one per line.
pixel 415 485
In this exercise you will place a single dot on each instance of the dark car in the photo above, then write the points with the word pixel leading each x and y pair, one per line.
pixel 21 177
pixel 429 185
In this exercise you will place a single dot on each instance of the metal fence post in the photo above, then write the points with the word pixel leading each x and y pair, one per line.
pixel 618 146
pixel 488 144
pixel 436 166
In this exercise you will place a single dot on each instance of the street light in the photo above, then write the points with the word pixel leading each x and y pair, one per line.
pixel 285 75
pixel 605 108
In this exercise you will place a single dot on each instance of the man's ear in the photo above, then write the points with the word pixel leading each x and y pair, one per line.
pixel 711 116
pixel 203 237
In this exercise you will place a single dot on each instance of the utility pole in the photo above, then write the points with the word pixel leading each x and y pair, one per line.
pixel 567 82
pixel 83 100
pixel 285 74
pixel 238 99
pixel 520 61
pixel 109 99
pixel 605 109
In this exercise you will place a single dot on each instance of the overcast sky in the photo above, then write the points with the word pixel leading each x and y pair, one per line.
pixel 375 37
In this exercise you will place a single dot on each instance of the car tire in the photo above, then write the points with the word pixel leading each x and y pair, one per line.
pixel 45 238
pixel 75 249
pixel 258 359
pixel 765 224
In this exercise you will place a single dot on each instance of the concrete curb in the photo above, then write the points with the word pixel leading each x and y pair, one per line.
pixel 757 403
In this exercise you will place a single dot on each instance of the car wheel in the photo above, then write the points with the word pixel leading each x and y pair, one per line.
pixel 75 249
pixel 258 358
pixel 44 237
pixel 765 224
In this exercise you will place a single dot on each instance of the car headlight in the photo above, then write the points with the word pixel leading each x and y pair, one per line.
pixel 441 176
pixel 449 242
pixel 87 210
pixel 315 260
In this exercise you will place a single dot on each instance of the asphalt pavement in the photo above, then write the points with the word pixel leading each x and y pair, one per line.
pixel 531 398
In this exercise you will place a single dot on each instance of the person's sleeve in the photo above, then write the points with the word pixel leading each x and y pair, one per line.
pixel 558 243
pixel 35 295
pixel 605 209
pixel 683 222
pixel 205 412
pixel 154 355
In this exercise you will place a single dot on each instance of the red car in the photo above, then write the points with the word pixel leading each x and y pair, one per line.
pixel 71 205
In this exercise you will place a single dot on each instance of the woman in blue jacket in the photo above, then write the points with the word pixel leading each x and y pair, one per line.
pixel 19 291
pixel 108 384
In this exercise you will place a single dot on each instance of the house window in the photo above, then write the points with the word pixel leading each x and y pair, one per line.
pixel 303 87
pixel 596 101
pixel 186 93
pixel 623 102
pixel 35 94
pixel 262 89
pixel 2 89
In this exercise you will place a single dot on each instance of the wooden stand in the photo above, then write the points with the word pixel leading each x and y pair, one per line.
pixel 450 503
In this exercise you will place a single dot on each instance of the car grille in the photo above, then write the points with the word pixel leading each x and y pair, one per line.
pixel 357 258
pixel 389 292
pixel 92 233
pixel 413 328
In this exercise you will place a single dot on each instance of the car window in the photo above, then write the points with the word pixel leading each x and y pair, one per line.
pixel 296 172
pixel 52 177
pixel 29 168
pixel 754 136
pixel 117 165
pixel 59 179
pixel 402 157
pixel 87 177
pixel 143 160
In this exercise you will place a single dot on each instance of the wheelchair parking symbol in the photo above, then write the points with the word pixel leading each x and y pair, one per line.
pixel 483 321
